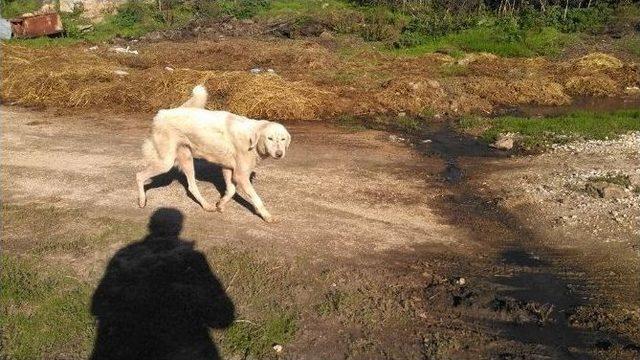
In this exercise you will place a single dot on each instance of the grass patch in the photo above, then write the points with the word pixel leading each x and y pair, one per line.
pixel 453 69
pixel 541 132
pixel 631 44
pixel 258 338
pixel 350 122
pixel 57 230
pixel 43 312
pixel 493 39
pixel 12 8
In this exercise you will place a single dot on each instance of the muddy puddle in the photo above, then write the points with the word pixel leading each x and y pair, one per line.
pixel 529 290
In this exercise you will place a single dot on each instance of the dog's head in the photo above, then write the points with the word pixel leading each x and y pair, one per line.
pixel 272 140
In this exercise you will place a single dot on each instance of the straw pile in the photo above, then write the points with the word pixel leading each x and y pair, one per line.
pixel 599 61
pixel 413 97
pixel 593 85
pixel 538 91
pixel 79 79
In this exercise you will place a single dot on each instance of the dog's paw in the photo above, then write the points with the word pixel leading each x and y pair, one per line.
pixel 142 202
pixel 220 207
pixel 269 218
pixel 209 207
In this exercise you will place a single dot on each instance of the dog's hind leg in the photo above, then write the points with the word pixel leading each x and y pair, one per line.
pixel 185 161
pixel 158 165
pixel 230 189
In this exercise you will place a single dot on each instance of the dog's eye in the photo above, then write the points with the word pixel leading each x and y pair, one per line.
pixel 282 139
pixel 270 138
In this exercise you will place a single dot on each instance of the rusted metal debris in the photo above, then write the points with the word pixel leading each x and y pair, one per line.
pixel 31 26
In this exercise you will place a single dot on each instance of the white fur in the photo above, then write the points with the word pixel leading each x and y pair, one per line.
pixel 234 142
pixel 198 98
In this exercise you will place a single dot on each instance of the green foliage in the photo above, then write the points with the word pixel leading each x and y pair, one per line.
pixel 501 40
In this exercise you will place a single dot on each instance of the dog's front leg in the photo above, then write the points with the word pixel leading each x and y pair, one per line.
pixel 241 178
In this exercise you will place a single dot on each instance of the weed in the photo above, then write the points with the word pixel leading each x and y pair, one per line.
pixel 408 124
pixel 612 178
pixel 453 69
pixel 350 122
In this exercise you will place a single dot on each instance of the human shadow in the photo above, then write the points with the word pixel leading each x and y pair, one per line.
pixel 158 298
pixel 205 171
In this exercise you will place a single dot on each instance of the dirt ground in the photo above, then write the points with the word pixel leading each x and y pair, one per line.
pixel 446 249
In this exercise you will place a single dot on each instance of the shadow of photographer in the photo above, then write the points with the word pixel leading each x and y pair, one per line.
pixel 158 298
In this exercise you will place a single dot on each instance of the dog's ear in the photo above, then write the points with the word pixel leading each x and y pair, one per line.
pixel 288 140
pixel 253 140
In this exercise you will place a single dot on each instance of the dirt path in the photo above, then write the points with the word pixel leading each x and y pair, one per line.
pixel 336 194
pixel 475 277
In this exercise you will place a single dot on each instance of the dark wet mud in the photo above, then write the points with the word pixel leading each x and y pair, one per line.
pixel 525 291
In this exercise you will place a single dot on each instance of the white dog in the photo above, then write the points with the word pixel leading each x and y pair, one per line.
pixel 234 142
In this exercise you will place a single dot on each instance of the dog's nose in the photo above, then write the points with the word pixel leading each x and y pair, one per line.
pixel 278 153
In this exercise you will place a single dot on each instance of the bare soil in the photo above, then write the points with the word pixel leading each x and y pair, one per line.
pixel 445 249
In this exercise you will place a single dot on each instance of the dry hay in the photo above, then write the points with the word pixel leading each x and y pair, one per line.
pixel 76 78
pixel 236 55
pixel 594 85
pixel 538 91
pixel 598 61
pixel 413 97
pixel 271 97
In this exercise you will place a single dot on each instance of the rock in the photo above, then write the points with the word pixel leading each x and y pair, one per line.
pixel 85 28
pixel 126 50
pixel 168 68
pixel 605 190
pixel 632 90
pixel 503 142
pixel 278 348
pixel 255 70
pixel 120 72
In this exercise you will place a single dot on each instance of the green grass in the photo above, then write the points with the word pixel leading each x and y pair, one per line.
pixel 11 9
pixel 541 132
pixel 257 339
pixel 495 40
pixel 42 311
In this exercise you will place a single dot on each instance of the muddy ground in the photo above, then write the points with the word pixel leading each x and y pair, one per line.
pixel 444 249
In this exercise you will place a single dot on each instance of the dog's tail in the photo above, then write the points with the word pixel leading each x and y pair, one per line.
pixel 198 98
